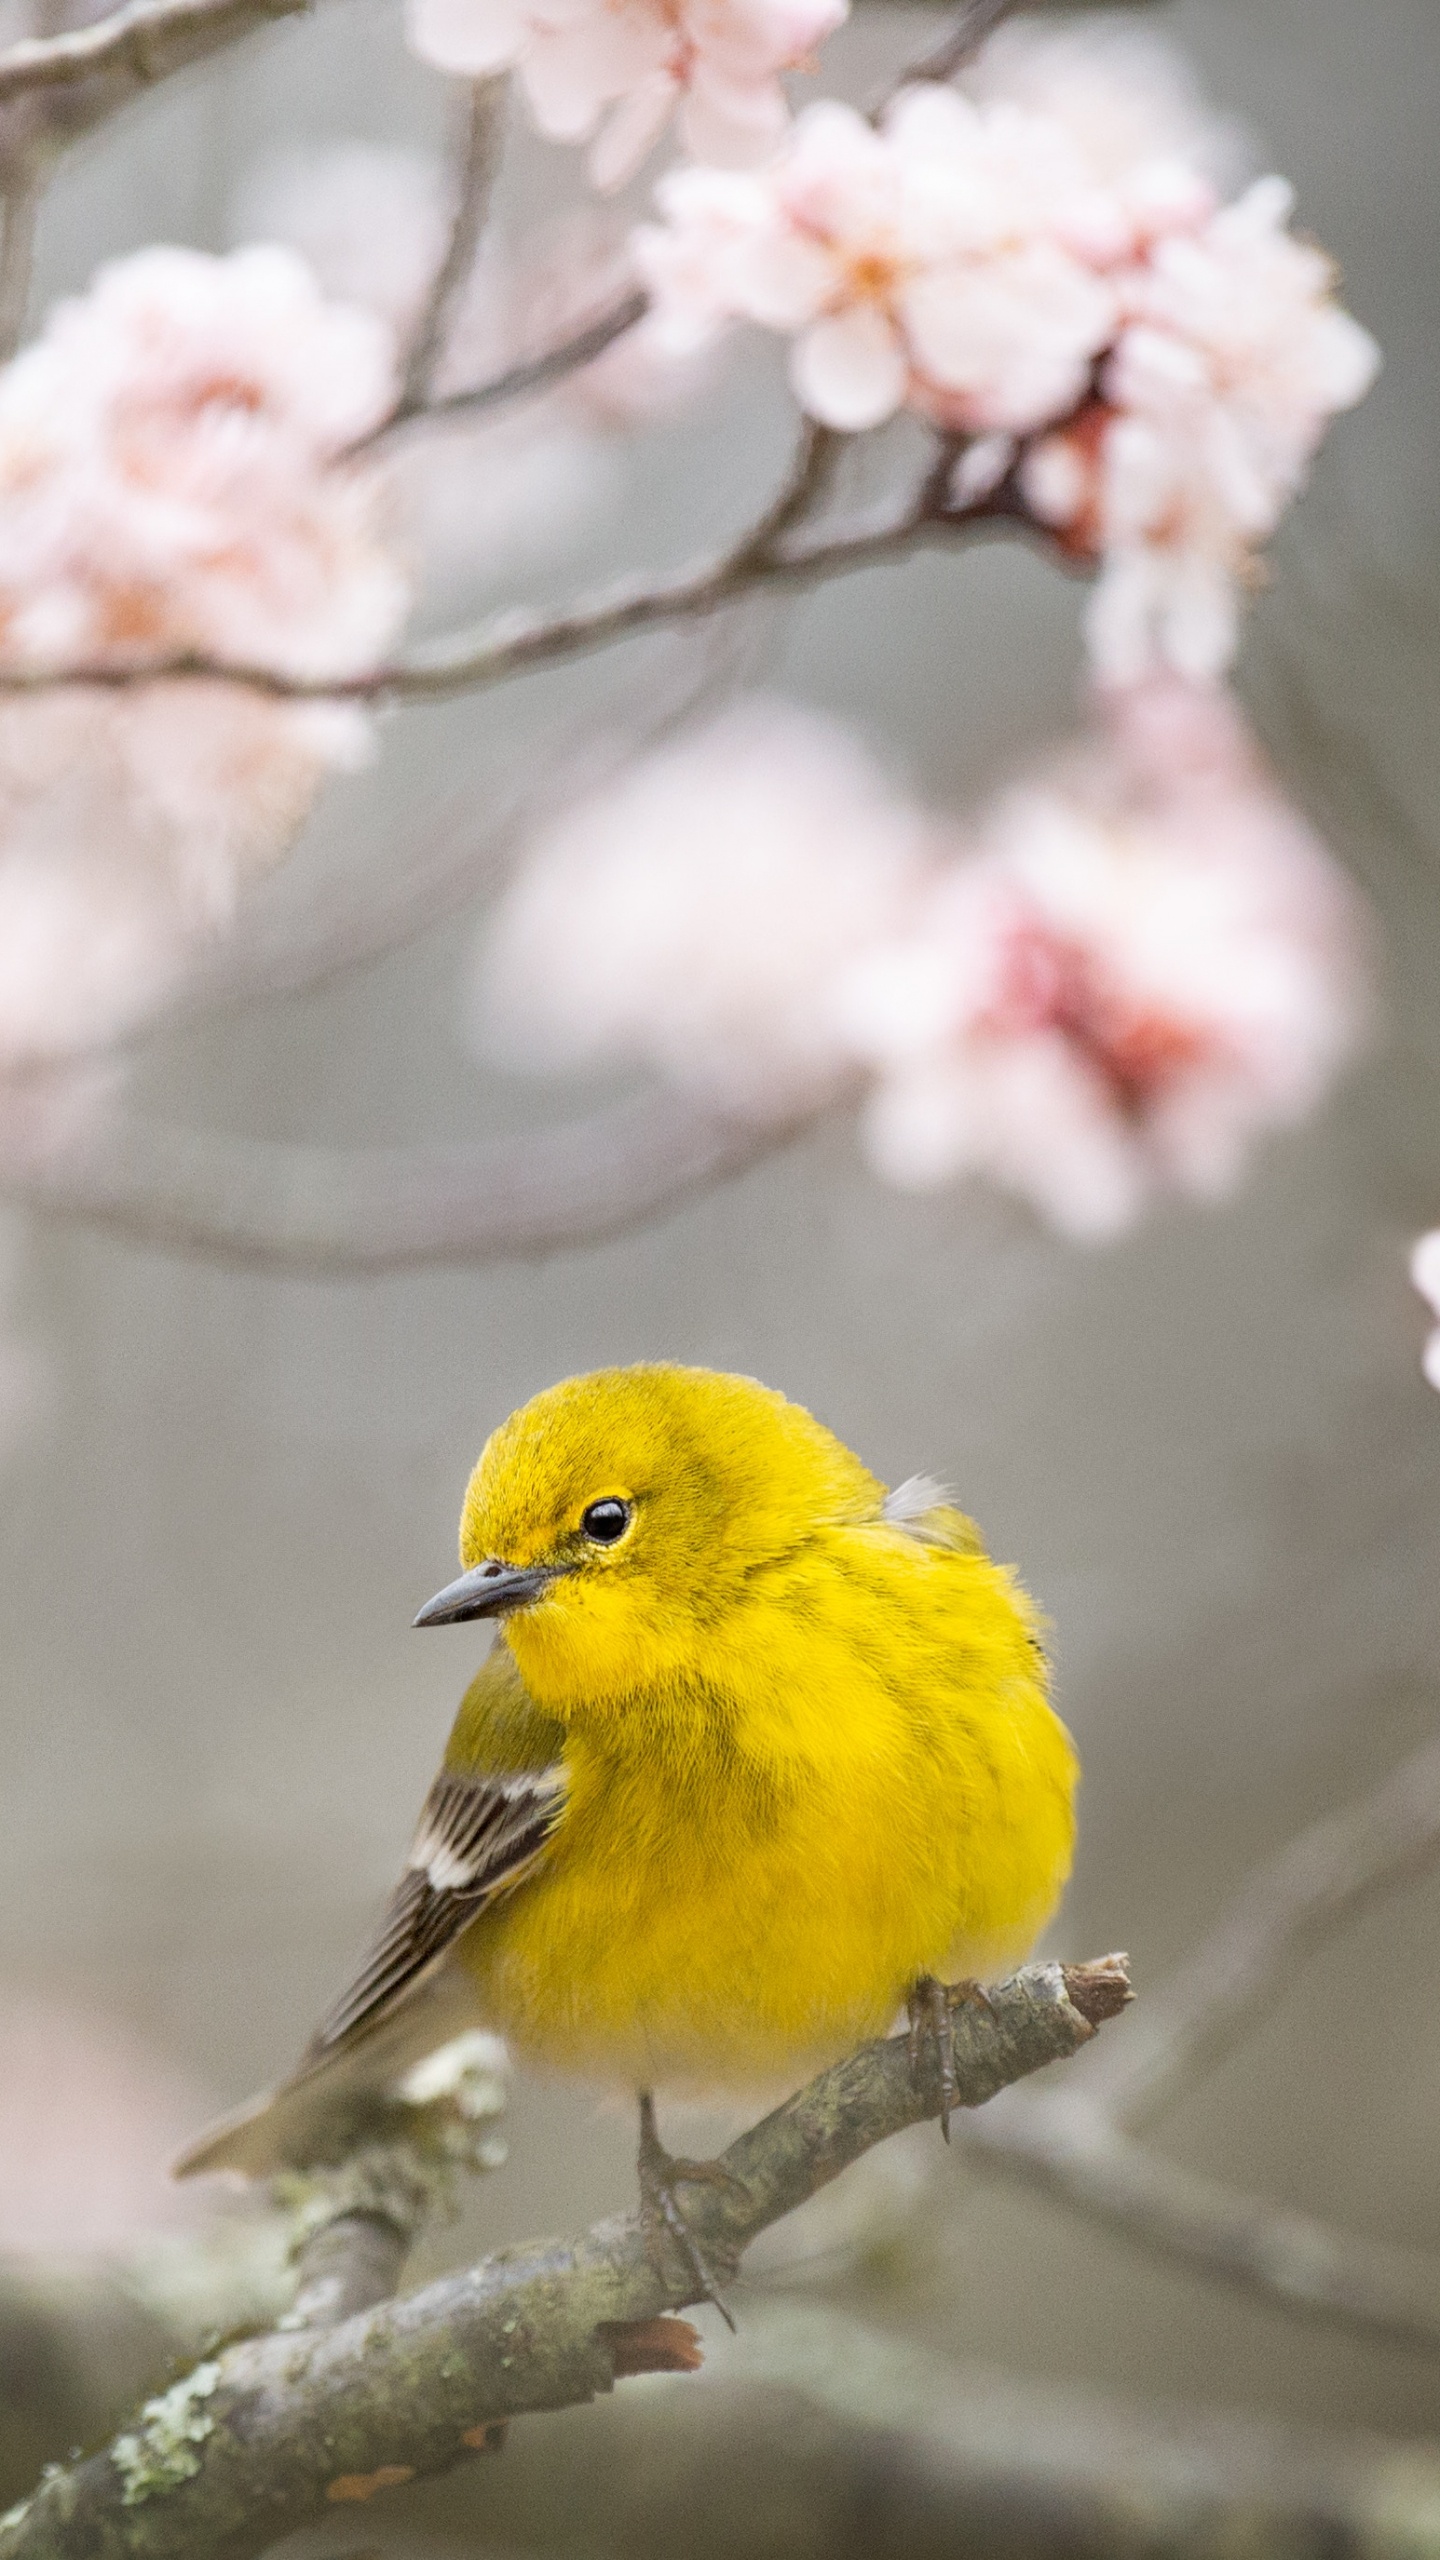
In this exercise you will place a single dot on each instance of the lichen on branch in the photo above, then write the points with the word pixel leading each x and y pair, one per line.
pixel 253 2444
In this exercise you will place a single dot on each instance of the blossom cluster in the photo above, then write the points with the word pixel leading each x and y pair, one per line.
pixel 1051 270
pixel 1146 959
pixel 1232 358
pixel 695 916
pixel 173 483
pixel 1131 963
pixel 171 474
pixel 613 72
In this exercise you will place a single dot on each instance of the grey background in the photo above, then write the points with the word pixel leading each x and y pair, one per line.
pixel 1209 1448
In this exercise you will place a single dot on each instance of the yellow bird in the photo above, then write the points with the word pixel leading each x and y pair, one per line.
pixel 763 1752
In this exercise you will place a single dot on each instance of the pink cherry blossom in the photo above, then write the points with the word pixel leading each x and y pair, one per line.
pixel 1425 1274
pixel 1147 961
pixel 693 916
pixel 948 261
pixel 1131 108
pixel 129 824
pixel 1233 357
pixel 613 72
pixel 1132 965
pixel 172 473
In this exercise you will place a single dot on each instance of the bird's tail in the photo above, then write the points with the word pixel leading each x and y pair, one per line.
pixel 339 2099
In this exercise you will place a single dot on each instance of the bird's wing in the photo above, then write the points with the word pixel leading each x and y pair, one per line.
pixel 478 1837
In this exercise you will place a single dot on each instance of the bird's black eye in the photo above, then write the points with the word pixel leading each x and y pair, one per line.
pixel 606 1521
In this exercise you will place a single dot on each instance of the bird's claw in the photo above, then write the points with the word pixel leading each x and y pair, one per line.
pixel 660 2174
pixel 931 2011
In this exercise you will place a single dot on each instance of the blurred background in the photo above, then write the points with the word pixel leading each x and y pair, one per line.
pixel 1208 1447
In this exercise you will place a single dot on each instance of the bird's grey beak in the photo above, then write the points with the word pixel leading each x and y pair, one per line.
pixel 488 1590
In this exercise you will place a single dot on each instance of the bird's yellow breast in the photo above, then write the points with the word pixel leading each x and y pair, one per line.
pixel 866 1783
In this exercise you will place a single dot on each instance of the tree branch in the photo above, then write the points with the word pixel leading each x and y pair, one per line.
pixel 535 373
pixel 301 931
pixel 977 20
pixel 261 2439
pixel 19 206
pixel 1067 2148
pixel 298 1208
pixel 1075 2145
pixel 85 75
pixel 1285 1907
pixel 479 163
pixel 818 2433
pixel 513 643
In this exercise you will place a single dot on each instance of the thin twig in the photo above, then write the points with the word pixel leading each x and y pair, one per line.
pixel 1077 2147
pixel 977 20
pixel 276 1207
pixel 1284 1909
pixel 19 208
pixel 817 2432
pixel 513 643
pixel 1070 2150
pixel 433 872
pixel 519 381
pixel 475 186
pixel 273 2432
pixel 798 499
pixel 135 46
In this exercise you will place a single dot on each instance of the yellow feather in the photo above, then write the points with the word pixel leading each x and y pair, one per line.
pixel 810 1754
pixel 806 1750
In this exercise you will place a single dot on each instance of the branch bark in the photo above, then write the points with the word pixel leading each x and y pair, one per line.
pixel 55 88
pixel 513 643
pixel 269 2434
pixel 817 2433
pixel 1068 2149
pixel 21 203
pixel 1076 2146
pixel 534 374
pixel 479 164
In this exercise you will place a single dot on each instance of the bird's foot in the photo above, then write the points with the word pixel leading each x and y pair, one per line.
pixel 660 2207
pixel 931 2011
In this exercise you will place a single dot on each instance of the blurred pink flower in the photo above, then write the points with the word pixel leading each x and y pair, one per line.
pixel 1133 111
pixel 129 823
pixel 172 473
pixel 692 916
pixel 1137 961
pixel 1148 960
pixel 1425 1274
pixel 1233 357
pixel 948 261
pixel 618 69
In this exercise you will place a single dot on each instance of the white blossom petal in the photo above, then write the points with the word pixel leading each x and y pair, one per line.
pixel 850 372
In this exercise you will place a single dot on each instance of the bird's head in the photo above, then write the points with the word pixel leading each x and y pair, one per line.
pixel 615 1521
